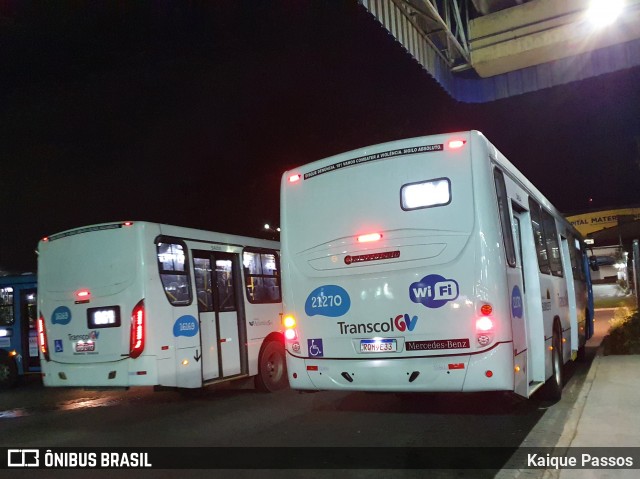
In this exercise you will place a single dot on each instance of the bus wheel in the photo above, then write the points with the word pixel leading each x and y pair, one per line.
pixel 8 373
pixel 272 368
pixel 555 383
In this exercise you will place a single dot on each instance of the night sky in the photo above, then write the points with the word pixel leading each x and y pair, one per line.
pixel 186 114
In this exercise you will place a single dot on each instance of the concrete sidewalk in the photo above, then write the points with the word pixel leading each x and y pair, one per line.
pixel 607 413
pixel 604 411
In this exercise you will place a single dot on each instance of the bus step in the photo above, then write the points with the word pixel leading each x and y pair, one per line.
pixel 534 386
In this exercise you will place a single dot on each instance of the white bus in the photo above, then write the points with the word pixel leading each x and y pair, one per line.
pixel 139 304
pixel 428 264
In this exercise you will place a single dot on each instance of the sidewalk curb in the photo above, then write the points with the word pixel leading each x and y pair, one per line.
pixel 569 431
pixel 571 426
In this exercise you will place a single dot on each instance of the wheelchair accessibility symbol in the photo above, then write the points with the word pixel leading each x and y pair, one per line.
pixel 315 348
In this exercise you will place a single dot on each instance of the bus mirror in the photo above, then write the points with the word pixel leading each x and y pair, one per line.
pixel 593 263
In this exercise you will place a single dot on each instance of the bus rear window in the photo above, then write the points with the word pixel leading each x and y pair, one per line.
pixel 261 276
pixel 172 263
pixel 426 194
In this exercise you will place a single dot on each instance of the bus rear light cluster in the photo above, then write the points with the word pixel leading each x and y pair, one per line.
pixel 289 323
pixel 136 345
pixel 484 325
pixel 42 338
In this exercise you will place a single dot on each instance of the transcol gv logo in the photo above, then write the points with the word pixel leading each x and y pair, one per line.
pixel 402 322
pixel 434 291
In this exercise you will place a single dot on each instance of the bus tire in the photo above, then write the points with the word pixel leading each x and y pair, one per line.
pixel 8 373
pixel 272 368
pixel 556 381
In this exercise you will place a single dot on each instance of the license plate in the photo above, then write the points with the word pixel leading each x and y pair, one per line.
pixel 378 345
pixel 84 347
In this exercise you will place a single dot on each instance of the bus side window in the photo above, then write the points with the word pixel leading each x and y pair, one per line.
pixel 261 276
pixel 505 216
pixel 538 237
pixel 6 306
pixel 551 239
pixel 172 263
pixel 202 275
pixel 575 254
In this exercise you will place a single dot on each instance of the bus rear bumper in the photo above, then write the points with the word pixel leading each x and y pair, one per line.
pixel 125 373
pixel 491 370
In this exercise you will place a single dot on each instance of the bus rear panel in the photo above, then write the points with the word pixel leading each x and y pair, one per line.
pixel 394 273
pixel 91 284
pixel 144 304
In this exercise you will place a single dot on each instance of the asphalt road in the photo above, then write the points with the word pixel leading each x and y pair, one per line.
pixel 31 415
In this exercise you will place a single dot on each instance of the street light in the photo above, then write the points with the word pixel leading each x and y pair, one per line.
pixel 604 12
pixel 274 231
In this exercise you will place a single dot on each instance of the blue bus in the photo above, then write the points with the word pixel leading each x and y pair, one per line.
pixel 18 328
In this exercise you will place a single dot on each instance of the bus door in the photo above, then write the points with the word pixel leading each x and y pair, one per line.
pixel 220 331
pixel 517 288
pixel 28 308
pixel 571 294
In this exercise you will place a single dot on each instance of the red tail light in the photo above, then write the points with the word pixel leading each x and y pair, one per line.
pixel 294 178
pixel 136 345
pixel 484 324
pixel 42 338
pixel 369 237
pixel 83 296
pixel 455 144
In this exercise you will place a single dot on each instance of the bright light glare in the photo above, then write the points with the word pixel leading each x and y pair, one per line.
pixel 290 334
pixel 604 12
pixel 289 322
pixel 369 237
pixel 422 195
pixel 484 324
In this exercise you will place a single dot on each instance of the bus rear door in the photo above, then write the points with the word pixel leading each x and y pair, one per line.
pixel 222 333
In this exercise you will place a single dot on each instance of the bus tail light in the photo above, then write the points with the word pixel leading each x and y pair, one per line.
pixel 290 334
pixel 136 345
pixel 455 144
pixel 484 326
pixel 42 338
pixel 289 323
pixel 294 178
pixel 369 237
pixel 83 296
